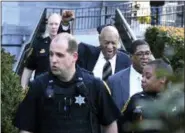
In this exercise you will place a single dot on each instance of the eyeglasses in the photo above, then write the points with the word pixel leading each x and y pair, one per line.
pixel 140 54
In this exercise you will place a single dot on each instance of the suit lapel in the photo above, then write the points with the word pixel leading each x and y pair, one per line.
pixel 126 84
pixel 118 63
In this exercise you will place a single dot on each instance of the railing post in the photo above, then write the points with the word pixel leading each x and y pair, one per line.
pixel 105 15
pixel 102 13
pixel 183 13
pixel 126 33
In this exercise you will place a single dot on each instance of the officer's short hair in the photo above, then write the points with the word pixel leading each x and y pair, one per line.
pixel 137 43
pixel 72 43
pixel 163 67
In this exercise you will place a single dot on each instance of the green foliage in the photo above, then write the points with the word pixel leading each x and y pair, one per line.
pixel 144 19
pixel 11 93
pixel 167 42
pixel 168 109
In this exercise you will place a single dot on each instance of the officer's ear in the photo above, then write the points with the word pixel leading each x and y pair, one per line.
pixel 75 56
pixel 163 80
pixel 100 38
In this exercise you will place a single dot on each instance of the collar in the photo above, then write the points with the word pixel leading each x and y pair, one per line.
pixel 46 39
pixel 138 75
pixel 76 78
pixel 65 23
pixel 153 94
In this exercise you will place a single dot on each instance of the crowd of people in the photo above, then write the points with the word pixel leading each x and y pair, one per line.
pixel 80 88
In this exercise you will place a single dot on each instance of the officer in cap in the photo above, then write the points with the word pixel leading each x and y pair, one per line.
pixel 38 56
pixel 67 99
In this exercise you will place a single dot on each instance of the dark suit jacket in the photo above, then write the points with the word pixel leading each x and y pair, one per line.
pixel 119 84
pixel 88 56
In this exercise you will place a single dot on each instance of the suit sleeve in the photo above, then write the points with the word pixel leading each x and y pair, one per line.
pixel 127 61
pixel 124 60
pixel 84 52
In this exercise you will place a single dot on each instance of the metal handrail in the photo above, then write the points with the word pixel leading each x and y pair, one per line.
pixel 162 14
pixel 8 34
pixel 126 25
pixel 10 45
pixel 126 33
pixel 73 8
pixel 19 63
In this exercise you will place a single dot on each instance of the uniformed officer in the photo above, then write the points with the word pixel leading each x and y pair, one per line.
pixel 67 99
pixel 38 56
pixel 154 81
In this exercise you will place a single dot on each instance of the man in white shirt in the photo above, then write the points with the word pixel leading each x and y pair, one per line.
pixel 127 82
pixel 105 60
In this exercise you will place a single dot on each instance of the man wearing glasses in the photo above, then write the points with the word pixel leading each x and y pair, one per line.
pixel 127 82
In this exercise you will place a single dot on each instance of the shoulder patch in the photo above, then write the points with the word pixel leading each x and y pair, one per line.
pixel 24 93
pixel 125 106
pixel 107 87
pixel 30 52
pixel 42 51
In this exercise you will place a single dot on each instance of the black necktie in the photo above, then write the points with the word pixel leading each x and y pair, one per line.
pixel 107 71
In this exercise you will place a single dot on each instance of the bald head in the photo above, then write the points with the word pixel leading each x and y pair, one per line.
pixel 109 30
pixel 109 39
pixel 53 24
pixel 67 39
pixel 55 17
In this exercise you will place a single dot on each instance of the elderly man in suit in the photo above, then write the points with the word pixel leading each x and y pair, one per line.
pixel 127 82
pixel 106 59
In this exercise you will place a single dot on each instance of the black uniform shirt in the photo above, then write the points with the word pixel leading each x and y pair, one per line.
pixel 61 30
pixel 134 111
pixel 38 56
pixel 27 113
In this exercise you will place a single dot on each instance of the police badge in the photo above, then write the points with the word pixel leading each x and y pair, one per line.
pixel 80 100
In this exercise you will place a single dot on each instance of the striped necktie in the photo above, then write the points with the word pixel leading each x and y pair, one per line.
pixel 107 71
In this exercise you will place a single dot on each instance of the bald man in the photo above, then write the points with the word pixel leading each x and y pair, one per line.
pixel 38 56
pixel 67 98
pixel 104 60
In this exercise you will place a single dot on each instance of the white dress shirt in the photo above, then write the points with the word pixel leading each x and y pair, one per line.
pixel 98 68
pixel 65 27
pixel 135 81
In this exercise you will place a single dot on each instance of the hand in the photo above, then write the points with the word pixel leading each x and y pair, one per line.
pixel 68 15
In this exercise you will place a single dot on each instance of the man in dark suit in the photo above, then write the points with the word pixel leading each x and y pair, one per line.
pixel 104 60
pixel 127 82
